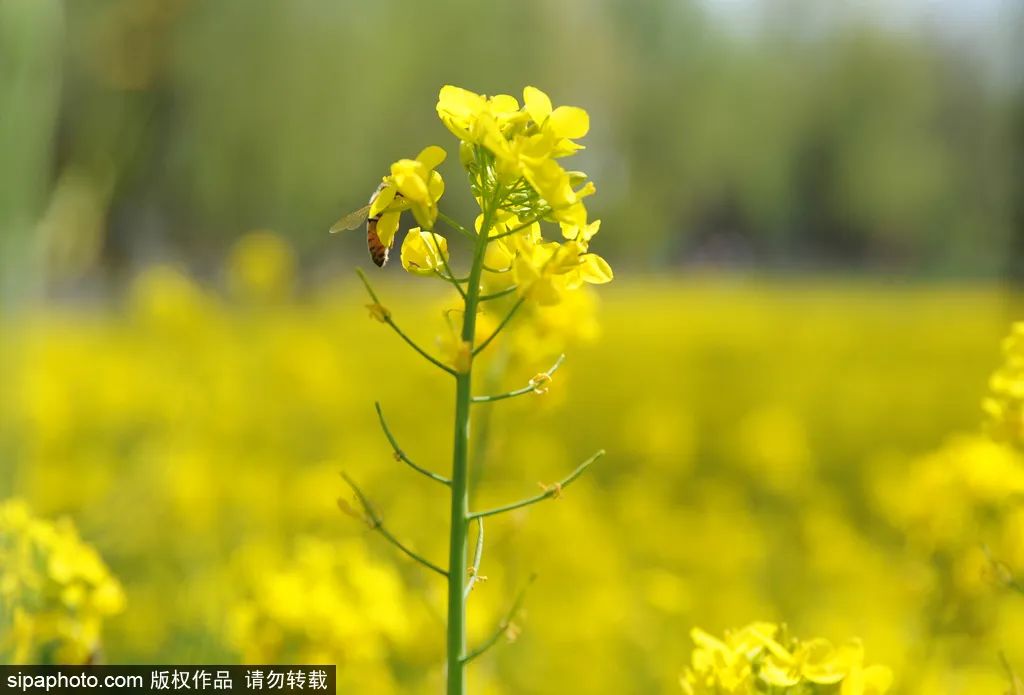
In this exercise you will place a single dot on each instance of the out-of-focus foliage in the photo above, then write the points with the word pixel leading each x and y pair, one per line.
pixel 137 128
pixel 55 591
pixel 771 457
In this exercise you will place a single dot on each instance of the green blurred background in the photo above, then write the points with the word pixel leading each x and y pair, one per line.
pixel 785 134
pixel 814 211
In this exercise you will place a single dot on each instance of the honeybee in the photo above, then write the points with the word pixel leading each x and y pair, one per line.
pixel 378 251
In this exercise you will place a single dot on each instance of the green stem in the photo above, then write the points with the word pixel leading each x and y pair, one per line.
pixel 459 518
pixel 456 638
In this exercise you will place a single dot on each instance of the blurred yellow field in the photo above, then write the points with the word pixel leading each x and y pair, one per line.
pixel 797 451
pixel 687 355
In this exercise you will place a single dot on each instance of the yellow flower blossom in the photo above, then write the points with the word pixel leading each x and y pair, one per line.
pixel 544 271
pixel 477 119
pixel 424 253
pixel 412 185
pixel 524 142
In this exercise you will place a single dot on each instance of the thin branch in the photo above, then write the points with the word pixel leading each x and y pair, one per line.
pixel 474 571
pixel 400 455
pixel 454 282
pixel 375 523
pixel 549 491
pixel 504 625
pixel 508 317
pixel 499 293
pixel 538 384
pixel 450 278
pixel 456 226
pixel 381 313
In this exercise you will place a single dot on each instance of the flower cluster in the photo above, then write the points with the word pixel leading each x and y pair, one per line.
pixel 512 154
pixel 524 143
pixel 1005 403
pixel 762 657
pixel 55 591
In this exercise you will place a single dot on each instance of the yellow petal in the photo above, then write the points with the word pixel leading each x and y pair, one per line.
pixel 504 103
pixel 412 186
pixel 435 186
pixel 570 121
pixel 595 269
pixel 459 101
pixel 432 156
pixel 779 674
pixel 877 679
pixel 573 214
pixel 382 199
pixel 822 663
pixel 538 105
pixel 387 225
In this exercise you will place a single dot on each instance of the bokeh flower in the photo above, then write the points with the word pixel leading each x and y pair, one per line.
pixel 55 591
pixel 762 657
pixel 1005 404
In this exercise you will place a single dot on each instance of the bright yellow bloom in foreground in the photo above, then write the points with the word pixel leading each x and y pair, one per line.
pixel 525 142
pixel 761 658
pixel 510 151
pixel 545 271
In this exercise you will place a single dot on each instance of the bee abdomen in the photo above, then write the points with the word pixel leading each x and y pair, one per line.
pixel 378 251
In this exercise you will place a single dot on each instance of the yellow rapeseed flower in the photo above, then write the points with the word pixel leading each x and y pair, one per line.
pixel 412 185
pixel 546 270
pixel 524 142
pixel 424 253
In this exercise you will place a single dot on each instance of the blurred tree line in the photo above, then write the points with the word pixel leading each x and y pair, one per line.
pixel 133 130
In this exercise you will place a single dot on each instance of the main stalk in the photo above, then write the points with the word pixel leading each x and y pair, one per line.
pixel 457 547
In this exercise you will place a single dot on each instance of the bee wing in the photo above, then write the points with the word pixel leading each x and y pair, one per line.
pixel 351 220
